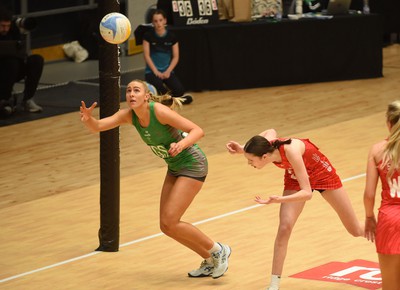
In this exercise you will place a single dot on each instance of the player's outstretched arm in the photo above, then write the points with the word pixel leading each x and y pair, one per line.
pixel 104 124
pixel 234 147
pixel 87 118
pixel 268 200
pixel 269 134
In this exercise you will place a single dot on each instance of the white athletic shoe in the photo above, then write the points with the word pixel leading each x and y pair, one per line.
pixel 32 107
pixel 272 288
pixel 220 261
pixel 205 270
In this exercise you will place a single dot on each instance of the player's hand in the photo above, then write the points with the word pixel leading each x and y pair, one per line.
pixel 86 113
pixel 174 149
pixel 370 228
pixel 234 147
pixel 271 199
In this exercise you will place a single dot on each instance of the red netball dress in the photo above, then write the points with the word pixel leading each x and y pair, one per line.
pixel 387 237
pixel 321 173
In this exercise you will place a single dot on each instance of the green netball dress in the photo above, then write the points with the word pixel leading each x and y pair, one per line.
pixel 190 162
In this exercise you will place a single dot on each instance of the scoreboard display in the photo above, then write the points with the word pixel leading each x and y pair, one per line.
pixel 194 12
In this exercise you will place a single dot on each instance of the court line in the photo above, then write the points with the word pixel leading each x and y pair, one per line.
pixel 146 238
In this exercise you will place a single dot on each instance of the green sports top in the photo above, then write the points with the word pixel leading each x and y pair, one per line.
pixel 190 162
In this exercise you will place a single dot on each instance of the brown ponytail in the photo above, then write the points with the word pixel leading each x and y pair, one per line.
pixel 258 145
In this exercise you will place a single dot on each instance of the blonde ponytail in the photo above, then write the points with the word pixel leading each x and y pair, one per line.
pixel 391 153
pixel 167 100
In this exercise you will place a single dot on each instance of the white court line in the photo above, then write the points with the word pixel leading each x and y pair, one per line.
pixel 49 267
pixel 145 238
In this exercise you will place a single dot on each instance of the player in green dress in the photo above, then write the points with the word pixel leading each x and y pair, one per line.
pixel 173 138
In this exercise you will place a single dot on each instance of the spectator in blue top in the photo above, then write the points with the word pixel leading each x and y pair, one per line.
pixel 161 53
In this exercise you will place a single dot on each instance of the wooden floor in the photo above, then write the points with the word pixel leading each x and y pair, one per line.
pixel 49 192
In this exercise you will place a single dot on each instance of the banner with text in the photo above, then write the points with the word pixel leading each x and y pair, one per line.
pixel 359 273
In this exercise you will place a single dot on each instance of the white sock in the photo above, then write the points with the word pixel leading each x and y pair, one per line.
pixel 210 261
pixel 275 281
pixel 216 248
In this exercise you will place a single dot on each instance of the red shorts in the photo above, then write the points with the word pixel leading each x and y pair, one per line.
pixel 387 239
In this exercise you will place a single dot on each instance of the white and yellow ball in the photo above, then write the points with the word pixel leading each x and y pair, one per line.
pixel 115 28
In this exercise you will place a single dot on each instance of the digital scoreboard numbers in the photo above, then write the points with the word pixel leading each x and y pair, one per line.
pixel 194 12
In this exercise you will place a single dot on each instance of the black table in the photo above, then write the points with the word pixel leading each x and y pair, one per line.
pixel 269 53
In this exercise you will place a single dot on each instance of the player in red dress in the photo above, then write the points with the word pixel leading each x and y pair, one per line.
pixel 384 164
pixel 306 170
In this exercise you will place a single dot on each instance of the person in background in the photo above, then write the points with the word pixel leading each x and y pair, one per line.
pixel 17 67
pixel 384 165
pixel 172 138
pixel 161 53
pixel 307 169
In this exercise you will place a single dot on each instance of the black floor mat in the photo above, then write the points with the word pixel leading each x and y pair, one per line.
pixel 65 98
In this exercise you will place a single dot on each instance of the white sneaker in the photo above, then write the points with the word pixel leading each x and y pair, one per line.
pixel 32 107
pixel 205 270
pixel 75 51
pixel 221 261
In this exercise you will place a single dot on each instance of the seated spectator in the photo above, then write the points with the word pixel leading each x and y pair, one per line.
pixel 161 53
pixel 17 66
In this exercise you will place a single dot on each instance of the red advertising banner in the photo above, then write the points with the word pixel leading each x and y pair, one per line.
pixel 359 273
